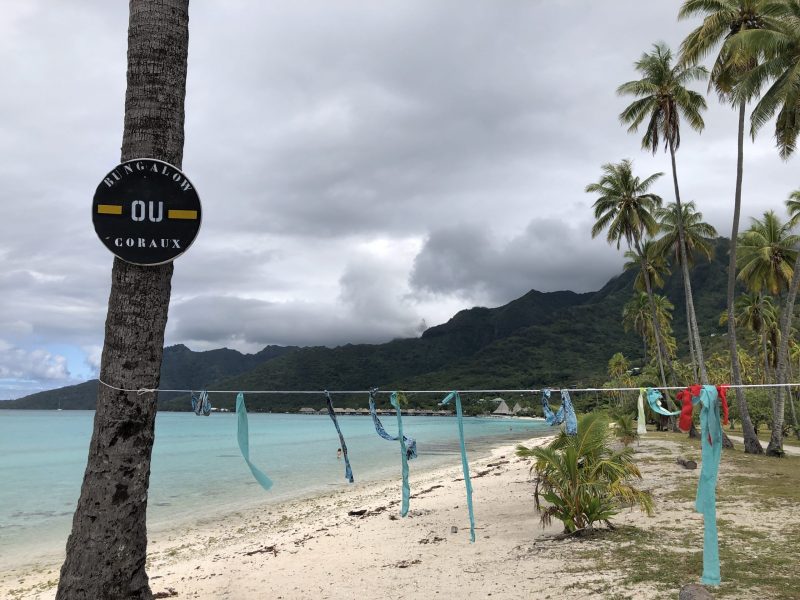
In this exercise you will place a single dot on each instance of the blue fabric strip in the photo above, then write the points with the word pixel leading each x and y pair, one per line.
pixel 565 413
pixel 243 434
pixel 571 420
pixel 654 400
pixel 348 472
pixel 410 443
pixel 403 454
pixel 201 405
pixel 464 463
pixel 706 502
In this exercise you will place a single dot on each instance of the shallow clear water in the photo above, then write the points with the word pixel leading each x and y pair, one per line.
pixel 197 470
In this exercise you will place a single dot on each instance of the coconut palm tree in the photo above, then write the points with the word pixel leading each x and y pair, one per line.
pixel 767 252
pixel 777 45
pixel 663 99
pixel 721 20
pixel 637 316
pixel 107 548
pixel 618 366
pixel 655 263
pixel 757 313
pixel 775 446
pixel 625 208
pixel 768 256
pixel 698 237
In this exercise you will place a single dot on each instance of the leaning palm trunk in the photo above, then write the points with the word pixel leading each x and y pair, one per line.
pixel 690 338
pixel 687 282
pixel 751 443
pixel 106 550
pixel 660 351
pixel 688 298
pixel 775 446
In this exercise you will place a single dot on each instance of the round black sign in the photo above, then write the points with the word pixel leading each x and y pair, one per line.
pixel 146 212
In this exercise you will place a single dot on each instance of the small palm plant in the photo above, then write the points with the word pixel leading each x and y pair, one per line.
pixel 583 480
pixel 625 429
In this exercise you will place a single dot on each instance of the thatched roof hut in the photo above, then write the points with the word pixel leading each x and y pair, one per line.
pixel 502 408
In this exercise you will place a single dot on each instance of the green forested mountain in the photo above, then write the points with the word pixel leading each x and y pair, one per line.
pixel 553 338
pixel 181 369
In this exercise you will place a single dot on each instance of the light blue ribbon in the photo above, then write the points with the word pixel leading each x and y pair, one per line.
pixel 411 443
pixel 403 455
pixel 653 396
pixel 243 434
pixel 348 472
pixel 464 463
pixel 706 502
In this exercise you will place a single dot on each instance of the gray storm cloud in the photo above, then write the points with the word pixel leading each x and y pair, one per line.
pixel 549 255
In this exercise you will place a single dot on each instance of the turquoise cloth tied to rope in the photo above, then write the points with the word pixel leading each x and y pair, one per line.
pixel 404 454
pixel 565 413
pixel 411 443
pixel 348 472
pixel 243 434
pixel 408 446
pixel 706 502
pixel 653 398
pixel 464 463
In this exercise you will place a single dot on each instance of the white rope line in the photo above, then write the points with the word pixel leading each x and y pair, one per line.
pixel 141 391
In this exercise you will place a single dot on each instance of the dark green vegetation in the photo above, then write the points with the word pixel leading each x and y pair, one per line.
pixel 555 338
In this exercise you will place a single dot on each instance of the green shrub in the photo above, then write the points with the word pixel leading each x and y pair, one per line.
pixel 625 429
pixel 582 479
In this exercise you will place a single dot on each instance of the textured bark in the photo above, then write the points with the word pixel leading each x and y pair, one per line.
pixel 107 548
pixel 790 398
pixel 690 339
pixel 687 282
pixel 751 443
pixel 775 446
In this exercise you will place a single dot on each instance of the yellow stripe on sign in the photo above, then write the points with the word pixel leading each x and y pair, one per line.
pixel 181 214
pixel 109 209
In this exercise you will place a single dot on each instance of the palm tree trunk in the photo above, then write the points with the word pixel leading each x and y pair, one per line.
pixel 692 355
pixel 106 550
pixel 687 282
pixel 775 446
pixel 766 360
pixel 751 443
pixel 692 351
pixel 790 397
pixel 654 315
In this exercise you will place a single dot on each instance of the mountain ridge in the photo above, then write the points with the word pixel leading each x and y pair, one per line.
pixel 540 338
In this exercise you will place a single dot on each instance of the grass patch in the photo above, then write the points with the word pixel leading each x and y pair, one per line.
pixel 683 493
pixel 756 561
pixel 754 564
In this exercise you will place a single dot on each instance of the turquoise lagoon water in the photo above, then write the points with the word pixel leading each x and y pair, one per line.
pixel 197 471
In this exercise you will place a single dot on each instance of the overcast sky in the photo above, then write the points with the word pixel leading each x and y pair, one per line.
pixel 365 168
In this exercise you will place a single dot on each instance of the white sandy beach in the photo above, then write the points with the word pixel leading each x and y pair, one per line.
pixel 312 548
